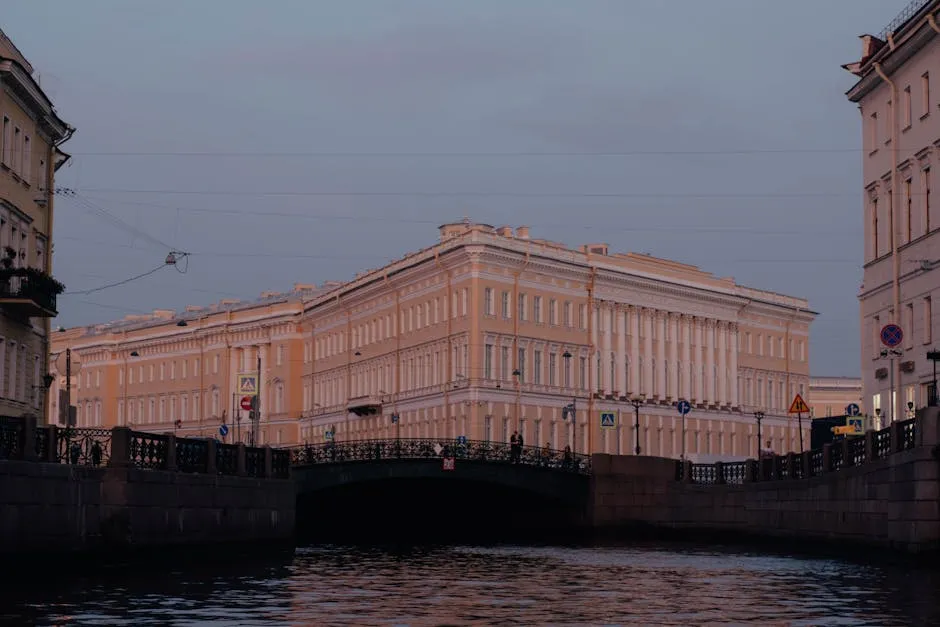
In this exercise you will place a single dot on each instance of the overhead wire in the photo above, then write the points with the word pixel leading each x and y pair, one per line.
pixel 469 154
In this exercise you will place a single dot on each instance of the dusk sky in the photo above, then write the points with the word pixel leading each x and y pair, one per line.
pixel 307 140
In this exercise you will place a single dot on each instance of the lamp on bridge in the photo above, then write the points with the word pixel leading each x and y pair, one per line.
pixel 759 416
pixel 572 409
pixel 637 401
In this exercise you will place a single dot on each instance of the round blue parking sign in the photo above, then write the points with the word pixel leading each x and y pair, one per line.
pixel 891 335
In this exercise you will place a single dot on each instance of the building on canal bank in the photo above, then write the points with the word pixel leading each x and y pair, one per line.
pixel 900 115
pixel 486 332
pixel 30 139
pixel 829 396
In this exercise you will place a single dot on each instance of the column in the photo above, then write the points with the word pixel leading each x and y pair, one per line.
pixel 594 382
pixel 648 352
pixel 734 365
pixel 709 345
pixel 621 385
pixel 605 357
pixel 635 350
pixel 685 324
pixel 673 356
pixel 723 363
pixel 699 330
pixel 661 354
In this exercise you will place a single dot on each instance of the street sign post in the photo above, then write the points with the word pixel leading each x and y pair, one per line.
pixel 462 440
pixel 852 409
pixel 856 424
pixel 684 408
pixel 245 403
pixel 223 430
pixel 608 420
pixel 799 407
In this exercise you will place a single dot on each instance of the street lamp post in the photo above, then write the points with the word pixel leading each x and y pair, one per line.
pixel 571 410
pixel 637 401
pixel 126 408
pixel 759 416
pixel 932 401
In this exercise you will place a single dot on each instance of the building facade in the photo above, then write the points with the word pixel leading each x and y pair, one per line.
pixel 829 396
pixel 484 333
pixel 30 137
pixel 901 136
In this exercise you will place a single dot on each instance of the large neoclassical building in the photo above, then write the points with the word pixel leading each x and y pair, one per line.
pixel 486 332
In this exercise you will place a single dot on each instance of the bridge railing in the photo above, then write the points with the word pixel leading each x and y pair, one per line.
pixel 22 439
pixel 424 448
pixel 846 453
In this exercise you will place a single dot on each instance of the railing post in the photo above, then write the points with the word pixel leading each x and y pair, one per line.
pixel 687 471
pixel 170 461
pixel 792 460
pixel 806 459
pixel 28 438
pixel 827 457
pixel 241 465
pixel 896 438
pixel 212 455
pixel 869 446
pixel 268 470
pixel 778 467
pixel 52 444
pixel 847 460
pixel 121 447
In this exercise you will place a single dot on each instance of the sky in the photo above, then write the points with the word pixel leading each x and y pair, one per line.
pixel 308 140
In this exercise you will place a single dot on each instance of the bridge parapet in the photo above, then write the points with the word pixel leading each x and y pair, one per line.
pixel 122 447
pixel 850 452
pixel 417 448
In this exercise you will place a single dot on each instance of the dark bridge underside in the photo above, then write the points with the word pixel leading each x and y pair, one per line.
pixel 407 500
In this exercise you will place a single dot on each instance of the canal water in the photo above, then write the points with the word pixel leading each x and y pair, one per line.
pixel 649 584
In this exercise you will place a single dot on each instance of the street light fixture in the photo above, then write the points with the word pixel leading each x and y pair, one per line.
pixel 759 416
pixel 637 401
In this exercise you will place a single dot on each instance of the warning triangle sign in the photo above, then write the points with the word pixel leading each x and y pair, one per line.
pixel 798 406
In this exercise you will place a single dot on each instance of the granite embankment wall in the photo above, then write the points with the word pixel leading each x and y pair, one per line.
pixel 882 489
pixel 116 489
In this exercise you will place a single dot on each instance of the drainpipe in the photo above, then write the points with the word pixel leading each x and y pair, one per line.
pixel 591 364
pixel 448 302
pixel 515 332
pixel 895 192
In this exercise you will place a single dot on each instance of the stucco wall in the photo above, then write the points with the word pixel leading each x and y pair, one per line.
pixel 57 507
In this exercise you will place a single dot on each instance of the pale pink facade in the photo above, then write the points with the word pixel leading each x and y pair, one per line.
pixel 436 337
pixel 829 396
pixel 897 93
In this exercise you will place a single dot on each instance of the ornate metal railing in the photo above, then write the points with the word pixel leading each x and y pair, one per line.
pixel 148 450
pixel 881 447
pixel 192 455
pixel 846 453
pixel 254 462
pixel 84 447
pixel 10 437
pixel 280 463
pixel 418 448
pixel 226 459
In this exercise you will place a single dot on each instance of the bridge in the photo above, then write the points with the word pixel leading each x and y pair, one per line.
pixel 436 488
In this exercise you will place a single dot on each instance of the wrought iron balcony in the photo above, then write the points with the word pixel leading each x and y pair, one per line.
pixel 29 292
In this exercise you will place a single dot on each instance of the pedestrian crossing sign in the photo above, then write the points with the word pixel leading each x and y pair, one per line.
pixel 608 420
pixel 855 424
pixel 248 384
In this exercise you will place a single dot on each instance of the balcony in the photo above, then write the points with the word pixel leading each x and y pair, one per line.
pixel 28 292
pixel 365 405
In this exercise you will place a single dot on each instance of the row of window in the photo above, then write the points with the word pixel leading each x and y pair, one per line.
pixel 878 128
pixel 380 328
pixel 916 218
pixel 16 153
pixel 166 409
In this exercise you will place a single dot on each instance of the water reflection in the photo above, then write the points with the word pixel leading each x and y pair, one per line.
pixel 639 585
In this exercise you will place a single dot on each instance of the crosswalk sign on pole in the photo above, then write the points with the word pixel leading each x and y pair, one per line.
pixel 608 420
pixel 248 384
pixel 856 424
pixel 798 406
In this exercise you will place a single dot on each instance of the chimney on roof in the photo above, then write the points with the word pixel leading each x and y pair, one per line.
pixel 504 231
pixel 304 287
pixel 522 232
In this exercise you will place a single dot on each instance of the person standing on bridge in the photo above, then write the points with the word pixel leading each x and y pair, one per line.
pixel 519 445
pixel 513 447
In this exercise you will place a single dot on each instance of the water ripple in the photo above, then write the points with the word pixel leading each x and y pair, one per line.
pixel 649 585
